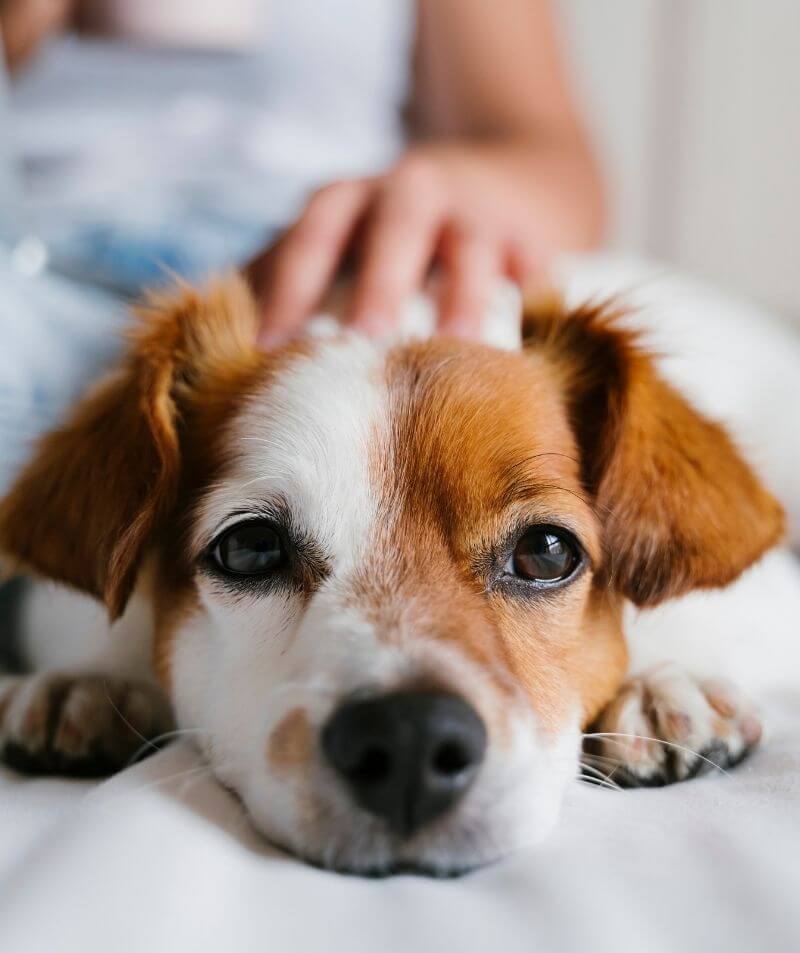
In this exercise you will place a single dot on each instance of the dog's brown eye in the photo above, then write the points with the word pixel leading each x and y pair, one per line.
pixel 250 549
pixel 544 554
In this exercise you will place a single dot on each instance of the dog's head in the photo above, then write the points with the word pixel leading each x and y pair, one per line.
pixel 387 579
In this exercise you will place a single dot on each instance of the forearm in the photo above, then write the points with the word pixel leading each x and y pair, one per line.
pixel 490 77
pixel 559 183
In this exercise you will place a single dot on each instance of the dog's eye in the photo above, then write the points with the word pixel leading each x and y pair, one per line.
pixel 249 549
pixel 544 554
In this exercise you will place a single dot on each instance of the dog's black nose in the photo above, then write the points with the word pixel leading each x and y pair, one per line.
pixel 408 756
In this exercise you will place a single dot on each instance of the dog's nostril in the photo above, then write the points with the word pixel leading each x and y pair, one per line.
pixel 406 757
pixel 374 765
pixel 451 758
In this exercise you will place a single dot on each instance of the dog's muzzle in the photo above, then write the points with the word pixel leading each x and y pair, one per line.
pixel 406 757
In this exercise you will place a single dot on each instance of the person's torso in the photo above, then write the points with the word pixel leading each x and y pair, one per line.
pixel 193 155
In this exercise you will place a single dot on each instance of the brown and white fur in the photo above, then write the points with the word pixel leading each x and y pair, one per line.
pixel 403 472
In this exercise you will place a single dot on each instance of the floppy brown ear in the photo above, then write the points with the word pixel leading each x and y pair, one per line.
pixel 681 508
pixel 84 509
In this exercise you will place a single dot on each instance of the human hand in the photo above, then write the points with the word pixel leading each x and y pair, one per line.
pixel 475 212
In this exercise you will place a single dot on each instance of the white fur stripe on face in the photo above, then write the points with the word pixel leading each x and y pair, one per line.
pixel 302 441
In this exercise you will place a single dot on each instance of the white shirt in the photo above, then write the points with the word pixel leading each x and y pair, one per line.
pixel 193 157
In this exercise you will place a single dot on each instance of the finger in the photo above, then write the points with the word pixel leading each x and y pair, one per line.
pixel 524 265
pixel 398 247
pixel 301 267
pixel 472 267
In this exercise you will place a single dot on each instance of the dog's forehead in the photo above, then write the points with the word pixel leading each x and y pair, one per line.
pixel 302 439
pixel 473 426
pixel 349 428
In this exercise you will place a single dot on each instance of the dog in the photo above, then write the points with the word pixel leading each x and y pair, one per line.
pixel 381 584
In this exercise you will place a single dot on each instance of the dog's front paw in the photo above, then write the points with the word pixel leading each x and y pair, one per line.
pixel 666 726
pixel 85 725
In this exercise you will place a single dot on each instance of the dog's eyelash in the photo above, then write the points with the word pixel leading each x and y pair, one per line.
pixel 276 511
pixel 306 568
pixel 494 554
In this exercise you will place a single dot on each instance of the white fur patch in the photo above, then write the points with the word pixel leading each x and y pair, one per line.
pixel 307 441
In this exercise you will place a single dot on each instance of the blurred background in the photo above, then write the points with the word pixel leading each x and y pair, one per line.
pixel 694 109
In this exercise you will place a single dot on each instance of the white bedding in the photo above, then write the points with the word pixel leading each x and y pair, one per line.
pixel 160 858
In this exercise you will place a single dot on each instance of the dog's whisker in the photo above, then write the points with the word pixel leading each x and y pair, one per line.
pixel 147 742
pixel 156 742
pixel 609 768
pixel 591 756
pixel 105 801
pixel 116 708
pixel 204 767
pixel 590 767
pixel 660 741
pixel 598 777
pixel 189 782
pixel 599 783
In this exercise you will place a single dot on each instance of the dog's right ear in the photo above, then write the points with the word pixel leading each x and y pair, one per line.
pixel 96 489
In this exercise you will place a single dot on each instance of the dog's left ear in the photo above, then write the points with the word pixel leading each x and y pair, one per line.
pixel 96 489
pixel 681 509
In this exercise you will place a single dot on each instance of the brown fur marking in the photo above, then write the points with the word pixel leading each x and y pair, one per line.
pixel 291 742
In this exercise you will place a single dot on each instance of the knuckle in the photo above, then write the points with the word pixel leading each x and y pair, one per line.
pixel 418 176
pixel 311 236
pixel 327 196
pixel 326 213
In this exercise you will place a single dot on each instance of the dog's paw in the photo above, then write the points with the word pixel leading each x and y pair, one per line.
pixel 84 725
pixel 666 726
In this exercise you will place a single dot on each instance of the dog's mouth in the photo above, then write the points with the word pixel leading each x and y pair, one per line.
pixel 399 869
pixel 353 843
pixel 380 871
pixel 366 869
pixel 363 847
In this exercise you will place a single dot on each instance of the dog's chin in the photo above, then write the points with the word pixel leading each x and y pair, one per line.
pixel 364 847
pixel 381 865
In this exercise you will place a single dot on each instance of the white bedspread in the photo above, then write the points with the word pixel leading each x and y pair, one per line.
pixel 160 857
